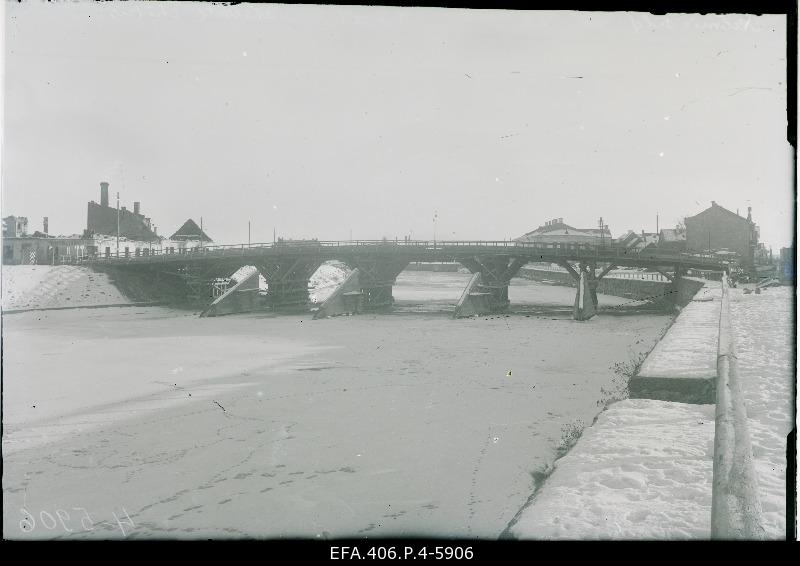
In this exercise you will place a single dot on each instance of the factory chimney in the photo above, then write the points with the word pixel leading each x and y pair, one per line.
pixel 44 225
pixel 136 207
pixel 104 194
pixel 749 213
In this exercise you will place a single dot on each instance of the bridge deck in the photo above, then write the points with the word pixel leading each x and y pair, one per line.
pixel 420 250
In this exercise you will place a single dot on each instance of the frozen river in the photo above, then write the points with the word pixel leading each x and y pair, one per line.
pixel 151 422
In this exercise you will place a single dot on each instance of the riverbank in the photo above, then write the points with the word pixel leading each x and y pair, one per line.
pixel 644 470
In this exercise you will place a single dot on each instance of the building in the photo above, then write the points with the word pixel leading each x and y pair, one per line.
pixel 15 226
pixel 557 232
pixel 104 219
pixel 49 250
pixel 136 237
pixel 137 234
pixel 672 239
pixel 190 232
pixel 39 248
pixel 717 228
pixel 637 241
pixel 787 266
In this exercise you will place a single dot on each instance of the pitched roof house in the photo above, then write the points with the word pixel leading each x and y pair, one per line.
pixel 190 231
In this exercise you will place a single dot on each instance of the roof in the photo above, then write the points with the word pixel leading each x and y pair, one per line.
pixel 632 239
pixel 553 226
pixel 190 231
pixel 715 207
pixel 560 229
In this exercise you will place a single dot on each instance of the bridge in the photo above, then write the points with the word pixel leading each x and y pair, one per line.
pixel 287 266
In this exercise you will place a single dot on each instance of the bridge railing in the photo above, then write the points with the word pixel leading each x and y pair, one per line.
pixel 735 507
pixel 600 252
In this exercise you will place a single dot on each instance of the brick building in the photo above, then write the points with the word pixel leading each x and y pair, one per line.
pixel 102 219
pixel 717 228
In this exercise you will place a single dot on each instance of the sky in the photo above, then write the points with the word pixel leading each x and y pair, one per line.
pixel 334 122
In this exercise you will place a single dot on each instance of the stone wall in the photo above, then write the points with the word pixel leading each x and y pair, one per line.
pixel 634 289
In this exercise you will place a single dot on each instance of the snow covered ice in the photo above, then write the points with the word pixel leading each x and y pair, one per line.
pixel 262 425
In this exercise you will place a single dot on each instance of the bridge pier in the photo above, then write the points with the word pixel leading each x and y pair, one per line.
pixel 495 275
pixel 240 297
pixel 587 280
pixel 287 280
pixel 376 276
pixel 345 299
pixel 198 280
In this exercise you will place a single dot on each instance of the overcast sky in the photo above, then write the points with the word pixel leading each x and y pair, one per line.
pixel 327 121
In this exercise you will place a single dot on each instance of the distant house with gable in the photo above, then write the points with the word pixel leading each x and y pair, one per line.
pixel 717 228
pixel 638 240
pixel 556 231
pixel 190 232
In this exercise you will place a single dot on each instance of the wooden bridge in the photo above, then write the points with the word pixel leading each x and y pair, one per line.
pixel 288 266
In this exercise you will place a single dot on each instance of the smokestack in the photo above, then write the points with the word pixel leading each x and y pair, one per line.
pixel 749 213
pixel 136 206
pixel 44 225
pixel 104 194
pixel 713 203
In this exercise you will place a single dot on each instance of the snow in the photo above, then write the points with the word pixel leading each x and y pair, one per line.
pixel 689 349
pixel 322 283
pixel 46 286
pixel 325 280
pixel 644 469
pixel 265 425
pixel 763 327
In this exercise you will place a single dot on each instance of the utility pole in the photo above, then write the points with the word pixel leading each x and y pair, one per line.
pixel 657 231
pixel 117 224
pixel 248 233
pixel 602 231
